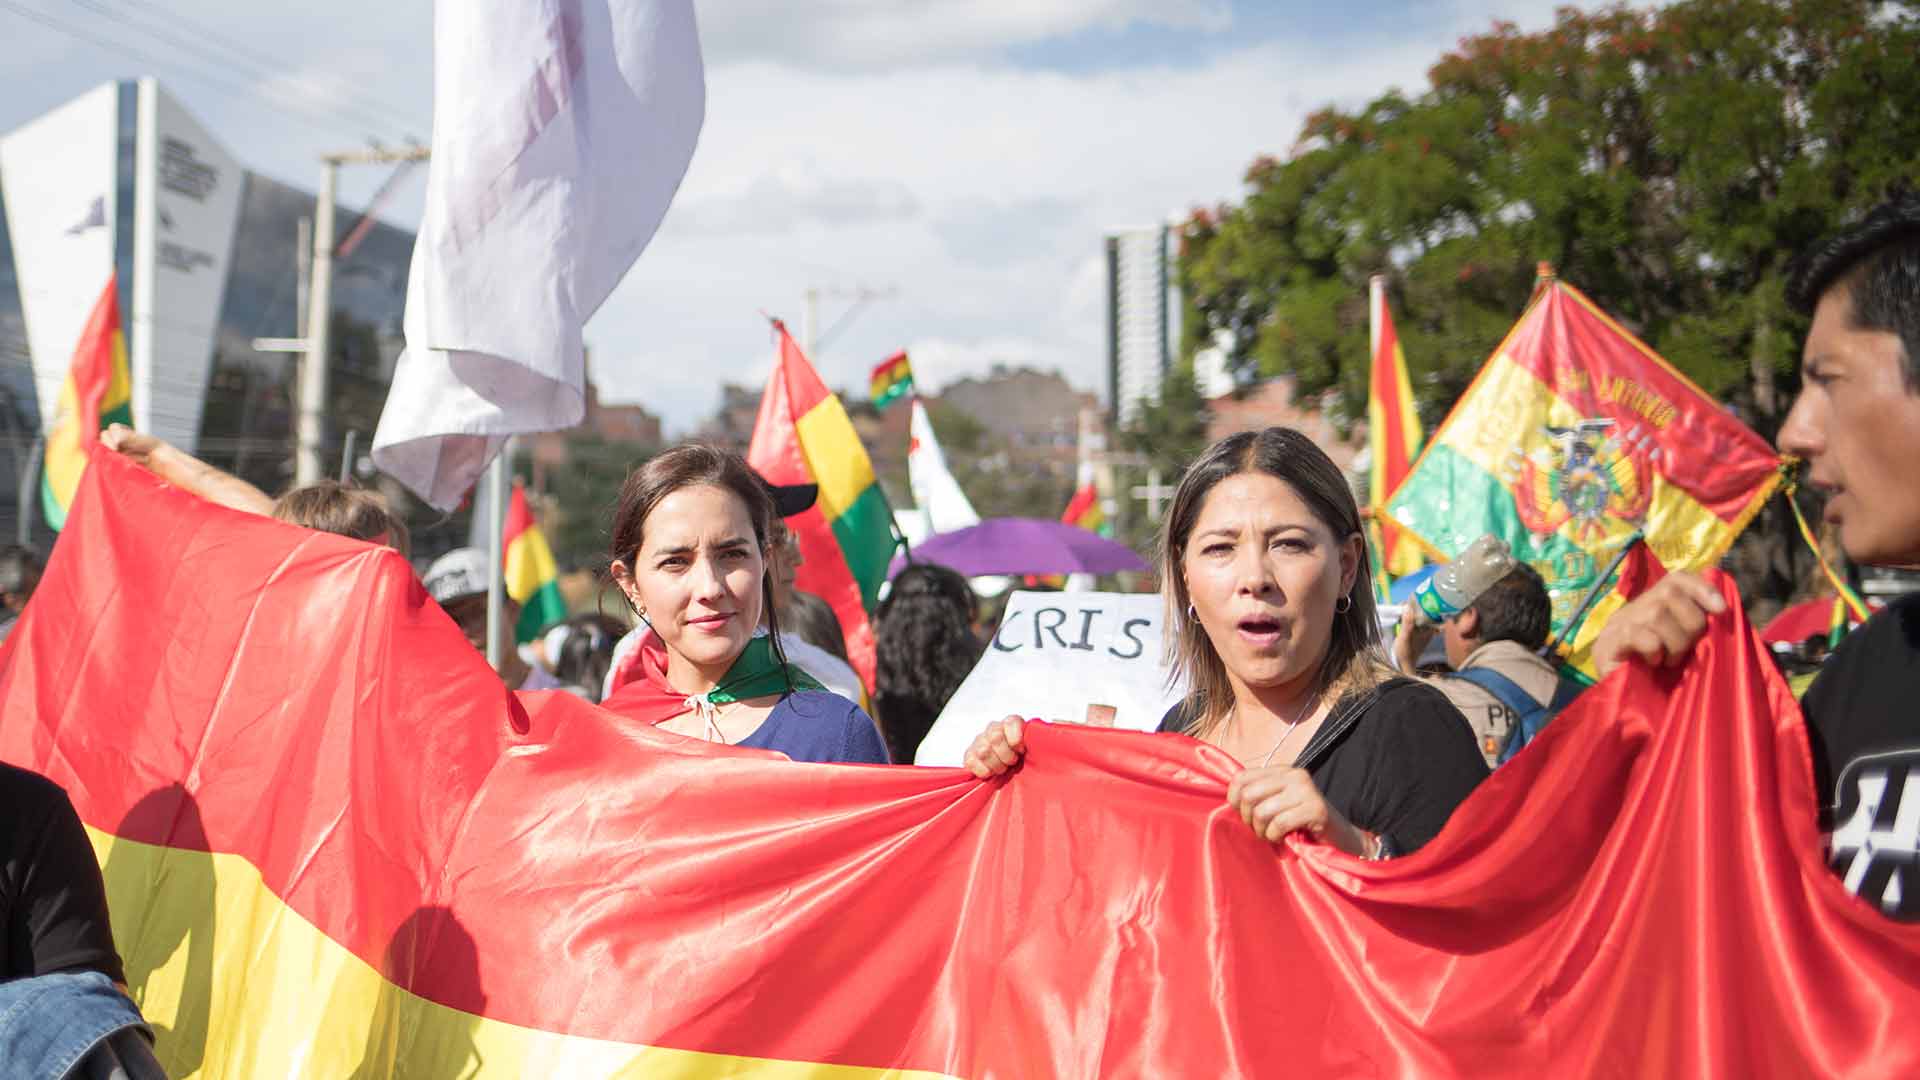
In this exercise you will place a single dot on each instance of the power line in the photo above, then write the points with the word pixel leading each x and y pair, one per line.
pixel 240 92
pixel 343 105
pixel 204 32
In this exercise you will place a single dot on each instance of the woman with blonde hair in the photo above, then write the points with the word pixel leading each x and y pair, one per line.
pixel 1270 621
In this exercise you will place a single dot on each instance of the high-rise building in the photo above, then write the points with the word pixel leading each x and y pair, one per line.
pixel 1143 315
pixel 122 184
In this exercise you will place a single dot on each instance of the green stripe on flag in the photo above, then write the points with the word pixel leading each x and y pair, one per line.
pixel 55 514
pixel 865 535
pixel 541 610
pixel 1455 502
pixel 896 390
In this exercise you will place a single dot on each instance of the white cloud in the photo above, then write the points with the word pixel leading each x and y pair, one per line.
pixel 854 143
pixel 1014 174
pixel 794 193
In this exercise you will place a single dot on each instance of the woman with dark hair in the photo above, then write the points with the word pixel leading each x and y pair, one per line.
pixel 1271 623
pixel 580 650
pixel 690 547
pixel 925 646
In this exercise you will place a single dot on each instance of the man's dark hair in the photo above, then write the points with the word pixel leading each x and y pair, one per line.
pixel 19 570
pixel 1878 263
pixel 1516 608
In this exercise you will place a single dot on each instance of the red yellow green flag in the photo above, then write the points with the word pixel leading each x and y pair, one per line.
pixel 1393 434
pixel 333 846
pixel 1575 441
pixel 892 379
pixel 532 577
pixel 803 436
pixel 1084 509
pixel 98 392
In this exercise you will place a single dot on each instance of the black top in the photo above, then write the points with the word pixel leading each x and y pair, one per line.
pixel 1863 723
pixel 53 907
pixel 1395 760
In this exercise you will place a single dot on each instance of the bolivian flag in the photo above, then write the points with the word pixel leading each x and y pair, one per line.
pixel 333 846
pixel 892 379
pixel 1393 435
pixel 532 577
pixel 803 436
pixel 1573 442
pixel 98 392
pixel 1084 509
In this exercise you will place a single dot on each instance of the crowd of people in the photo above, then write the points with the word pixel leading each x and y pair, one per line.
pixel 1270 624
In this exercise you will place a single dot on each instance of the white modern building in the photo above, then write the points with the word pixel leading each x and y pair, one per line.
pixel 1143 315
pixel 123 186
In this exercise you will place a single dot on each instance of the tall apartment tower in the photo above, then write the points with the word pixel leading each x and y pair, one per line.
pixel 1143 316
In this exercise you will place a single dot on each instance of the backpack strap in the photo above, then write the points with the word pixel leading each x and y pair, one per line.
pixel 1518 701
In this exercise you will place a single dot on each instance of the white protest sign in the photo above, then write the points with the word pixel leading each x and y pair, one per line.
pixel 1086 657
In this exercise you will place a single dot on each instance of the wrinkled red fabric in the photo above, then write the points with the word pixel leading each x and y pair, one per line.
pixel 1640 892
pixel 641 690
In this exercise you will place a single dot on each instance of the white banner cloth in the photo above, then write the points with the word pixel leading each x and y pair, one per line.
pixel 561 130
pixel 1086 657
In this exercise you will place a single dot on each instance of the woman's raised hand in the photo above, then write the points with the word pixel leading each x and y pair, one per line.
pixel 997 749
pixel 1275 800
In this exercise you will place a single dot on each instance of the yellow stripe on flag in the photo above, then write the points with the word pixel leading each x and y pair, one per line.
pixel 530 564
pixel 119 393
pixel 239 984
pixel 835 456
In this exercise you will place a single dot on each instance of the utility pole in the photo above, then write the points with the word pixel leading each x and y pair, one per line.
pixel 309 429
pixel 810 337
pixel 312 345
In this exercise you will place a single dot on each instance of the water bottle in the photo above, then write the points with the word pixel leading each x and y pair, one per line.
pixel 1454 587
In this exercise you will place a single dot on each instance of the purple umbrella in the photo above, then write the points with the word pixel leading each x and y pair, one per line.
pixel 1024 546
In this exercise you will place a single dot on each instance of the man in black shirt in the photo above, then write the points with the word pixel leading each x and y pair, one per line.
pixel 1856 424
pixel 53 907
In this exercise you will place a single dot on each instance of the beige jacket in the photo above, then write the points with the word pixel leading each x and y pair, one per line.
pixel 1491 721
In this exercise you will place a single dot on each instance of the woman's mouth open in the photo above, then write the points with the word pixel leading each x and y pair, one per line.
pixel 1260 631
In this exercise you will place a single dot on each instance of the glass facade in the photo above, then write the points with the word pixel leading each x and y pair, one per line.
pixel 248 419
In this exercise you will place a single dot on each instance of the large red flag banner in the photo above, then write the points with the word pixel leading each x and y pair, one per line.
pixel 333 842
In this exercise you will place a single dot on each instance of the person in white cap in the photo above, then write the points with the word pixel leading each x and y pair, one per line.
pixel 458 582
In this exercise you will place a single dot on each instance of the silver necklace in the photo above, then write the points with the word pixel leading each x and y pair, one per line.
pixel 1294 723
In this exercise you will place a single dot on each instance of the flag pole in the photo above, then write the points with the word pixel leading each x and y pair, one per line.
pixel 496 482
pixel 1376 300
pixel 1572 625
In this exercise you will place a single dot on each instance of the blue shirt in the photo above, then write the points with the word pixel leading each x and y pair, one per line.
pixel 819 725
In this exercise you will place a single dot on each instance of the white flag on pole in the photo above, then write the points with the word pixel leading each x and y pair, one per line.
pixel 561 130
pixel 935 491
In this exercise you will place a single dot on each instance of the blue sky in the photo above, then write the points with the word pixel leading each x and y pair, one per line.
pixel 1145 43
pixel 966 154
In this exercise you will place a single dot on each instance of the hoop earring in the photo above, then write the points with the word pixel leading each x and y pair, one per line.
pixel 1347 600
pixel 1191 615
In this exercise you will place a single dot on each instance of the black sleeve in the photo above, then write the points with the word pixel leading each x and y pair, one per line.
pixel 59 917
pixel 1179 718
pixel 1861 702
pixel 1424 762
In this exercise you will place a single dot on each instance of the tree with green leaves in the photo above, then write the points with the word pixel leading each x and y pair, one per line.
pixel 1670 162
pixel 1169 432
pixel 587 491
